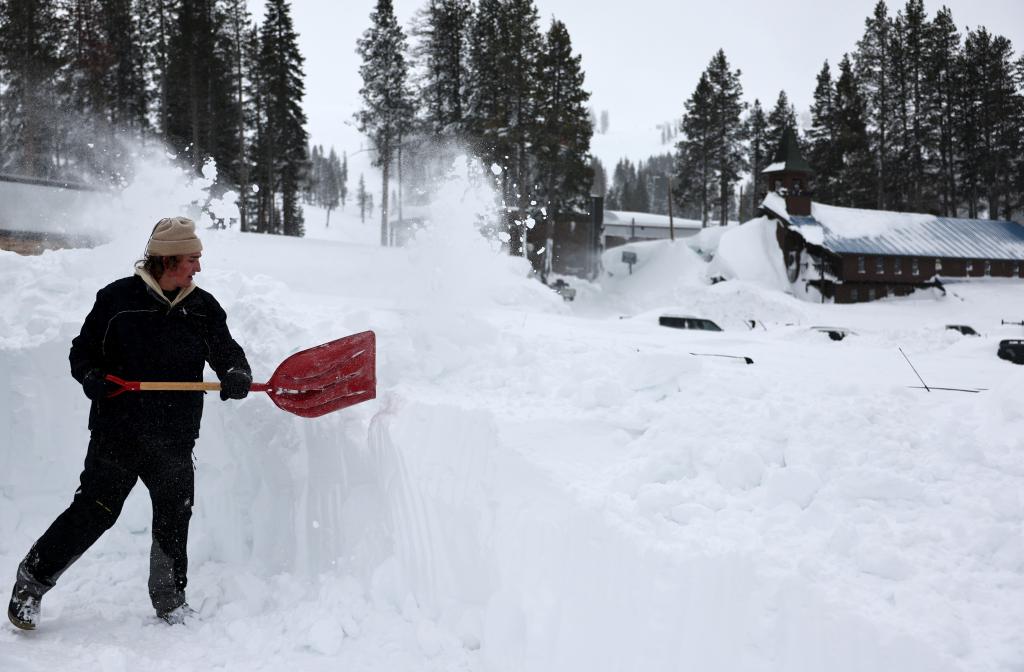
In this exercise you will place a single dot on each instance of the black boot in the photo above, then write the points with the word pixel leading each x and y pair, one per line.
pixel 180 615
pixel 23 610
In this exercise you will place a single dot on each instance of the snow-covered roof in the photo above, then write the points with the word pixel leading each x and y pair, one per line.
pixel 775 167
pixel 855 231
pixel 627 218
pixel 777 204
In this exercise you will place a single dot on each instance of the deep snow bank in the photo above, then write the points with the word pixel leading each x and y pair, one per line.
pixel 534 490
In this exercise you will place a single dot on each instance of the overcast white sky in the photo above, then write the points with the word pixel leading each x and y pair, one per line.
pixel 642 58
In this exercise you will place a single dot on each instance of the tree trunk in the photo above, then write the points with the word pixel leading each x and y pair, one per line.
pixel 385 169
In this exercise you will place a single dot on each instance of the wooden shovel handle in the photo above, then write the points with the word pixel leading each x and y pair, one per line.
pixel 178 387
pixel 150 386
pixel 193 387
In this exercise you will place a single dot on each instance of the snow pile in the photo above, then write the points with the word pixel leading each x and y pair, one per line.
pixel 750 252
pixel 541 485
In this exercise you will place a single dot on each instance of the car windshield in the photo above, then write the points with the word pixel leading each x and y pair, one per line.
pixel 679 322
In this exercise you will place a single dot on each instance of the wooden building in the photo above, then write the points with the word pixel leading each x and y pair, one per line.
pixel 850 255
pixel 621 227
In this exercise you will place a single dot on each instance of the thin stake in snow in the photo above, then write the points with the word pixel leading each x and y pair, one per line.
pixel 945 389
pixel 915 370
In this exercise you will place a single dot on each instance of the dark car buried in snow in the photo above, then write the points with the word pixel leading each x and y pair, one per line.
pixel 688 322
pixel 964 329
pixel 1011 349
pixel 835 333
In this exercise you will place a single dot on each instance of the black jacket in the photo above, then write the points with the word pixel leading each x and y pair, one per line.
pixel 134 332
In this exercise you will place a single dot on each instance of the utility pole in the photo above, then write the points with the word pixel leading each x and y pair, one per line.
pixel 671 226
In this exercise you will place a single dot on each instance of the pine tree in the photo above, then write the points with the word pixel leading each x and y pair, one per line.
pixel 442 55
pixel 854 176
pixel 696 152
pixel 387 101
pixel 782 116
pixel 729 131
pixel 521 46
pixel 562 142
pixel 240 54
pixel 343 179
pixel 990 130
pixel 759 151
pixel 823 152
pixel 874 74
pixel 332 183
pixel 917 141
pixel 282 160
pixel 29 63
pixel 487 103
pixel 504 47
pixel 126 83
pixel 200 111
pixel 156 25
pixel 943 84
pixel 361 198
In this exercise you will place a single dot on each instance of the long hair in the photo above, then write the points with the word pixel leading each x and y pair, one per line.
pixel 156 266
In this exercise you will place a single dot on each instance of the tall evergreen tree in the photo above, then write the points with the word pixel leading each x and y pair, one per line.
pixel 442 54
pixel 362 198
pixel 282 159
pixel 823 151
pixel 522 40
pixel 916 141
pixel 199 105
pixel 487 103
pixel 388 108
pixel 696 152
pixel 990 131
pixel 562 142
pixel 759 151
pixel 782 116
pixel 240 54
pixel 943 84
pixel 29 63
pixel 729 132
pixel 873 69
pixel 343 179
pixel 854 178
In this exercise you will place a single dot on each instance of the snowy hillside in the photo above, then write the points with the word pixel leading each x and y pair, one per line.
pixel 540 485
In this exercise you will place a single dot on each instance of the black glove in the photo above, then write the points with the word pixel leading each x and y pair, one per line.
pixel 96 386
pixel 235 384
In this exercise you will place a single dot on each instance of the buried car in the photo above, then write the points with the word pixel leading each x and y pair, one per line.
pixel 687 322
pixel 1012 350
pixel 835 333
pixel 964 329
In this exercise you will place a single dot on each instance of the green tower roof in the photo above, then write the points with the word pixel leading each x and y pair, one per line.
pixel 788 156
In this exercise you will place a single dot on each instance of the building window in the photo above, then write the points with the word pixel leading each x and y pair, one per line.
pixel 1016 270
pixel 879 265
pixel 970 266
pixel 854 294
pixel 988 267
pixel 871 294
pixel 915 269
pixel 897 266
pixel 861 267
pixel 938 265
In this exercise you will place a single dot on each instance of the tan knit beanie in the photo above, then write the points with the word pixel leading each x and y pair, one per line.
pixel 173 236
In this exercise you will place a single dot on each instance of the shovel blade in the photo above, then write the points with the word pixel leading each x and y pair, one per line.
pixel 327 378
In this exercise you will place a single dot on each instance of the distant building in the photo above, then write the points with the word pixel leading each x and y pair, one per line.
pixel 851 255
pixel 621 227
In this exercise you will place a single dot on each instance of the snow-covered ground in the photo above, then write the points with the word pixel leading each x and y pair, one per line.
pixel 541 485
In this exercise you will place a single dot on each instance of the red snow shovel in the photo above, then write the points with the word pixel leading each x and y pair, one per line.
pixel 310 383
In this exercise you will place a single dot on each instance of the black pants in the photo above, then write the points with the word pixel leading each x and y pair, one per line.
pixel 112 466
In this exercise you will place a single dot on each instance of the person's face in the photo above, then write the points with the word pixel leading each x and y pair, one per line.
pixel 181 275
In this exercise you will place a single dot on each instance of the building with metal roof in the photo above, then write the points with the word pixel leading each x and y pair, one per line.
pixel 850 255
